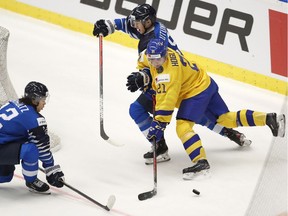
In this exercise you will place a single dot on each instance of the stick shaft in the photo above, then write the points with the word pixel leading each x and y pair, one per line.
pixel 102 131
pixel 154 152
pixel 81 193
pixel 87 197
pixel 150 194
pixel 154 166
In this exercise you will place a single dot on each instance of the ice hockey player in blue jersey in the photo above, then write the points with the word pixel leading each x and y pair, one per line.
pixel 141 24
pixel 24 139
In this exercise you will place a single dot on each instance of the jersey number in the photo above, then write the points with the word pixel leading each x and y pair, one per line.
pixel 184 63
pixel 10 114
pixel 161 88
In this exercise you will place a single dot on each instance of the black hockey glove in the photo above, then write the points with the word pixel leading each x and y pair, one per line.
pixel 137 80
pixel 104 27
pixel 54 176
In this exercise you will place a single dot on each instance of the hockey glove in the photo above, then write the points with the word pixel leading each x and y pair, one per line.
pixel 104 27
pixel 156 130
pixel 137 80
pixel 54 176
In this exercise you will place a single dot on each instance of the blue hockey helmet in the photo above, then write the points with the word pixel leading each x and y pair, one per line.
pixel 142 13
pixel 156 49
pixel 36 91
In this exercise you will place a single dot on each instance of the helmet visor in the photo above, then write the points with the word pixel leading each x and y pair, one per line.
pixel 153 56
pixel 156 60
pixel 132 20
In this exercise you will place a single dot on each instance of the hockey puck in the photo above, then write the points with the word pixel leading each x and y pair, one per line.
pixel 196 191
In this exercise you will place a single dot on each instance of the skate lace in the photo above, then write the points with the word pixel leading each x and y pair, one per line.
pixel 157 148
pixel 38 183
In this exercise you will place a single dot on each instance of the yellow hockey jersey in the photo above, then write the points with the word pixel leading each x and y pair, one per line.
pixel 178 80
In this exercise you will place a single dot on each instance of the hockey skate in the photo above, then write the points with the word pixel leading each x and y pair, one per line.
pixel 161 153
pixel 236 137
pixel 38 186
pixel 276 124
pixel 200 169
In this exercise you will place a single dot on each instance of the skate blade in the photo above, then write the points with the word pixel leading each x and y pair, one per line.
pixel 245 142
pixel 160 159
pixel 38 192
pixel 204 174
pixel 282 125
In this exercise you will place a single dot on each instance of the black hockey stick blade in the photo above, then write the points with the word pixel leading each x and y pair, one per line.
pixel 147 195
pixel 103 134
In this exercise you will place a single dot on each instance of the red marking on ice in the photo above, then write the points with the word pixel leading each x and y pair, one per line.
pixel 76 197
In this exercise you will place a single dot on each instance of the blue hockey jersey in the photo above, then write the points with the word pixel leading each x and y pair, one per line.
pixel 22 123
pixel 159 32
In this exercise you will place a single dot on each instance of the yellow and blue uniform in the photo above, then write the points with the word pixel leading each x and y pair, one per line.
pixel 185 85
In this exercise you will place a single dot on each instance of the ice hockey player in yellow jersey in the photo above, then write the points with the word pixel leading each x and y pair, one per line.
pixel 183 84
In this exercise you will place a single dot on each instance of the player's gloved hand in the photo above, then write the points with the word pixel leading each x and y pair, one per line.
pixel 104 27
pixel 156 130
pixel 137 80
pixel 54 176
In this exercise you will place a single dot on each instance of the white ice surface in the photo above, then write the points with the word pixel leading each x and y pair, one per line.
pixel 67 62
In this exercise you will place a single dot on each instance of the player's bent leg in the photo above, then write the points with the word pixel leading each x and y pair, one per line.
pixel 142 118
pixel 6 173
pixel 251 118
pixel 242 118
pixel 29 156
pixel 5 179
pixel 9 156
pixel 193 147
pixel 230 133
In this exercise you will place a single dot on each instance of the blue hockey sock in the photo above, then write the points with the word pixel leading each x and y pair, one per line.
pixel 29 154
pixel 140 116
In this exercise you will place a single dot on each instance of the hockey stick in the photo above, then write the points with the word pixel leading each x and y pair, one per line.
pixel 111 199
pixel 109 205
pixel 102 131
pixel 150 194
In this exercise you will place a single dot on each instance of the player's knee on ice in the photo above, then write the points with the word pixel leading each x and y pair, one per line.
pixel 6 173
